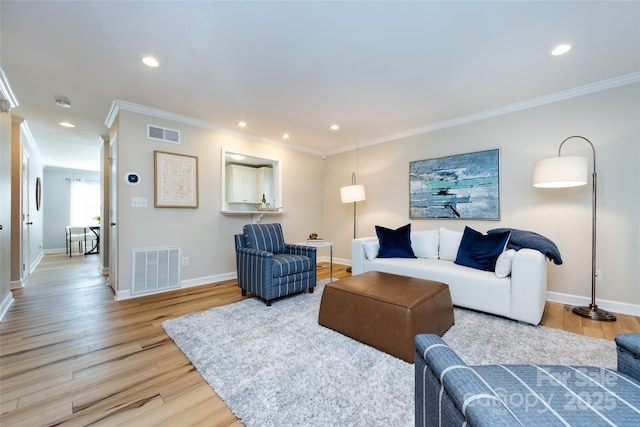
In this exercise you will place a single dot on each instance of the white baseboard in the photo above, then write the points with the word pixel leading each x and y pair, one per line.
pixel 6 303
pixel 36 262
pixel 17 284
pixel 615 306
pixel 55 251
pixel 200 281
pixel 342 261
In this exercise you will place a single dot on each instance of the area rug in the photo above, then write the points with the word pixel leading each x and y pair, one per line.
pixel 275 366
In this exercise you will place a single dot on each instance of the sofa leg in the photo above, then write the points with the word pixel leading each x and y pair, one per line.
pixel 244 292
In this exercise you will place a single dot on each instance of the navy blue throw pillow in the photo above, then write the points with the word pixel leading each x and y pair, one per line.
pixel 481 251
pixel 395 243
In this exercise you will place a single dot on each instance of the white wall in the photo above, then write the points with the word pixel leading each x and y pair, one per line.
pixel 5 212
pixel 204 234
pixel 56 204
pixel 610 119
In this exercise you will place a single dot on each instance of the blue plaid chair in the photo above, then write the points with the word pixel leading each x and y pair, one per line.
pixel 270 268
pixel 448 392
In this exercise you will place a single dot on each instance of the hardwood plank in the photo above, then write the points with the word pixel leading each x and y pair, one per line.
pixel 71 355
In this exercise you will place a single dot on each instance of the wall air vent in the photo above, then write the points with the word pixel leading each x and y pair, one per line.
pixel 155 270
pixel 163 134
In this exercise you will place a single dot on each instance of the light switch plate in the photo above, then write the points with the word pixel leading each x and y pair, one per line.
pixel 138 202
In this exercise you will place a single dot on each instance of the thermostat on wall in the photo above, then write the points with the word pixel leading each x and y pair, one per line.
pixel 132 178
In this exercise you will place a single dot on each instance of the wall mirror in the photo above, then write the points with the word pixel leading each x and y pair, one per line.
pixel 250 182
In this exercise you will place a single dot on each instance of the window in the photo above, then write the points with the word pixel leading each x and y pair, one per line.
pixel 85 202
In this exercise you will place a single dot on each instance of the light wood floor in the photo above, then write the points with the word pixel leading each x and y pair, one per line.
pixel 70 355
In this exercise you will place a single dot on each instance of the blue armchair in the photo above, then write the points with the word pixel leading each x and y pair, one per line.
pixel 450 393
pixel 270 268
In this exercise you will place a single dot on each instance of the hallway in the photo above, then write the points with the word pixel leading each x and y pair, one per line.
pixel 71 355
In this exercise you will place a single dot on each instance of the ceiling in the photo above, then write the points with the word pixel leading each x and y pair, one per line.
pixel 379 69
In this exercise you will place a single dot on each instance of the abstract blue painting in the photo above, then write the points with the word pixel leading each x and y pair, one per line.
pixel 464 186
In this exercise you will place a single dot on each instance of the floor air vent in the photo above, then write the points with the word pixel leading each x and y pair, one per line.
pixel 155 270
pixel 163 134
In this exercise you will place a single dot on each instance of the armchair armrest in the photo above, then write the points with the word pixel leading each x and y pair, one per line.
pixel 255 268
pixel 466 398
pixel 629 354
pixel 292 249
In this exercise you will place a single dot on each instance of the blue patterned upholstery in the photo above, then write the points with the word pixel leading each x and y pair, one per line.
pixel 270 268
pixel 448 392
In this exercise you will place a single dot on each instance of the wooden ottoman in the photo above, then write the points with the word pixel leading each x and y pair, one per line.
pixel 386 311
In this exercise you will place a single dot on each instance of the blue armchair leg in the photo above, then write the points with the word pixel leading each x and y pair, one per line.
pixel 244 292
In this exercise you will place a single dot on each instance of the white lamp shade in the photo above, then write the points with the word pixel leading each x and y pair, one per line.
pixel 352 193
pixel 560 172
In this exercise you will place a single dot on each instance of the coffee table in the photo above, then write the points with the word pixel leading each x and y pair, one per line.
pixel 386 311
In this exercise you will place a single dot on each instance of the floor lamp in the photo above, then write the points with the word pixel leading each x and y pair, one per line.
pixel 351 194
pixel 567 171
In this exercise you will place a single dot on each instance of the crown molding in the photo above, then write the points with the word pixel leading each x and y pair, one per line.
pixel 5 90
pixel 118 105
pixel 624 80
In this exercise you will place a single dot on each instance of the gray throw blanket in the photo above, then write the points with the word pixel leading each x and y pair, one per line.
pixel 528 239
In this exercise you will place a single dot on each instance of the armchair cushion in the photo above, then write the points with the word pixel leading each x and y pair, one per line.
pixel 265 237
pixel 285 264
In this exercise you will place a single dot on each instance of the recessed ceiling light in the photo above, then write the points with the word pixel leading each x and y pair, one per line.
pixel 242 124
pixel 561 49
pixel 285 136
pixel 334 127
pixel 67 124
pixel 150 61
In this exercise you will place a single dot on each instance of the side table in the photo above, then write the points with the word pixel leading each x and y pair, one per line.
pixel 323 244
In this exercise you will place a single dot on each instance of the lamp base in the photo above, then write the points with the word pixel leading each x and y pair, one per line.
pixel 594 313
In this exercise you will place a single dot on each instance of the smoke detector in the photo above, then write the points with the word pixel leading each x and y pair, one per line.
pixel 64 103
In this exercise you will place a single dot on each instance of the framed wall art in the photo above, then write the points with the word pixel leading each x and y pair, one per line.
pixel 176 180
pixel 463 186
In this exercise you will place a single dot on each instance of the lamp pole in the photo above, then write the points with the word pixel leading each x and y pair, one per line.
pixel 591 311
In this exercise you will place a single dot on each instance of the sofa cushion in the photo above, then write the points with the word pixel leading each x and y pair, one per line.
pixel 504 262
pixel 395 243
pixel 449 244
pixel 371 250
pixel 425 243
pixel 479 250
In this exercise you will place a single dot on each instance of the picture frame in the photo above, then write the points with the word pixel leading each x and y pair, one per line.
pixel 462 186
pixel 176 180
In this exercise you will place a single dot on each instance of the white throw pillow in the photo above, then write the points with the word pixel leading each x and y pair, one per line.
pixel 425 243
pixel 503 264
pixel 449 243
pixel 371 250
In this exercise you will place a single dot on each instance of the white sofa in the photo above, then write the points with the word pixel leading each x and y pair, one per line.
pixel 519 296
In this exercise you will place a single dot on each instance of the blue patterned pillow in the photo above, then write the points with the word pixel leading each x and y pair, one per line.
pixel 395 243
pixel 481 251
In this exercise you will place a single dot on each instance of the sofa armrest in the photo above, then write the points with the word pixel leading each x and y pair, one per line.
pixel 528 286
pixel 629 354
pixel 357 253
pixel 449 392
